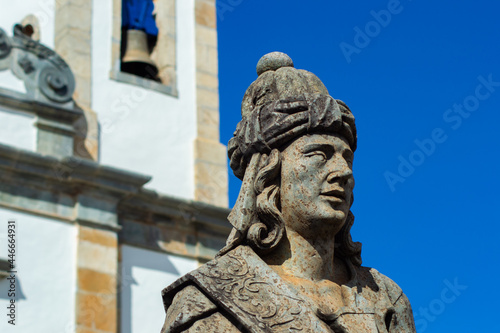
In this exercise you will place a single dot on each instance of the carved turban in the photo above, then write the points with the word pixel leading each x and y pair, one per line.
pixel 280 106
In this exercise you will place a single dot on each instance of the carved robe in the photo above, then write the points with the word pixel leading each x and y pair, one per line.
pixel 239 292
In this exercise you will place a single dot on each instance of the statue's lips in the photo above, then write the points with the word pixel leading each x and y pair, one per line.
pixel 337 194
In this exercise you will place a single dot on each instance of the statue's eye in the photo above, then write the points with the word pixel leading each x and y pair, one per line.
pixel 318 154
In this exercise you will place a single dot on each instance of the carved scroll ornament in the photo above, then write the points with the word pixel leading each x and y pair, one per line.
pixel 46 75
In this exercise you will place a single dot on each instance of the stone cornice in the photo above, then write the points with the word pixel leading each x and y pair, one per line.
pixel 19 101
pixel 192 212
pixel 82 191
pixel 71 169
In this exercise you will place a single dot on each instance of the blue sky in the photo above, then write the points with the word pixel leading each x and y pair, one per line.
pixel 423 81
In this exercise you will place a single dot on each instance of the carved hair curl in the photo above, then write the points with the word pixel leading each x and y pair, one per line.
pixel 266 233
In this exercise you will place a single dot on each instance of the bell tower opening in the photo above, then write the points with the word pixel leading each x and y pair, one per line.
pixel 139 35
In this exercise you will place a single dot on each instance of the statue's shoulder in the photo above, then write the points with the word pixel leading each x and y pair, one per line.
pixel 205 283
pixel 400 308
pixel 238 290
pixel 189 309
pixel 197 302
pixel 372 278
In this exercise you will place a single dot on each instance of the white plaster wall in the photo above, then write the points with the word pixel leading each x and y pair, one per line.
pixel 143 130
pixel 13 12
pixel 17 129
pixel 9 81
pixel 46 258
pixel 144 275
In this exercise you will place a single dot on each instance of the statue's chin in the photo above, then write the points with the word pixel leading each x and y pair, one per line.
pixel 320 225
pixel 336 223
pixel 338 217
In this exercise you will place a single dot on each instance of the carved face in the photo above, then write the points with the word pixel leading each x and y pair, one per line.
pixel 316 183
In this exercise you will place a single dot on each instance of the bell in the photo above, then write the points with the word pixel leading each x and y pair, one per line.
pixel 136 59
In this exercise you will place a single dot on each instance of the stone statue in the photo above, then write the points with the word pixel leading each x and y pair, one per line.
pixel 290 264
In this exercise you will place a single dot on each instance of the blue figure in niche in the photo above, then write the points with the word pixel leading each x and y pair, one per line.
pixel 138 15
pixel 139 35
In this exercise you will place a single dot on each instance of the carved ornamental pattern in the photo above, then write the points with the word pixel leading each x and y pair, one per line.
pixel 46 75
pixel 255 294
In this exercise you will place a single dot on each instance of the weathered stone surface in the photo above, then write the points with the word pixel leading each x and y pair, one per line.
pixel 86 143
pixel 210 174
pixel 209 151
pixel 192 305
pixel 206 36
pixel 210 169
pixel 80 329
pixel 96 312
pixel 273 61
pixel 54 138
pixel 96 236
pixel 214 324
pixel 88 252
pixel 207 81
pixel 290 263
pixel 206 57
pixel 73 42
pixel 95 282
pixel 208 98
pixel 205 13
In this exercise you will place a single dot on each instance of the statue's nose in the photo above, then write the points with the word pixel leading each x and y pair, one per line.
pixel 340 171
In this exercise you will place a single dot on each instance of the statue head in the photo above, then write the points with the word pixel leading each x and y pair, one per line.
pixel 293 149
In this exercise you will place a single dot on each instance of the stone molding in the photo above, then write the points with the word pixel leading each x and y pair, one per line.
pixel 182 227
pixel 19 101
pixel 80 191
